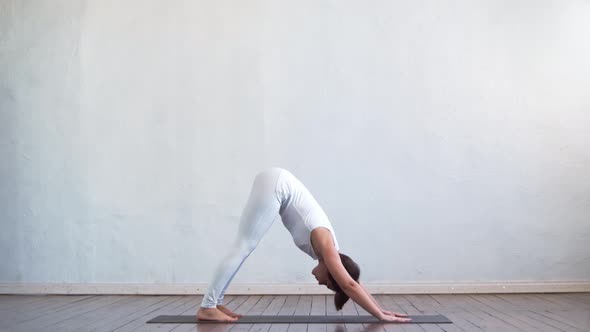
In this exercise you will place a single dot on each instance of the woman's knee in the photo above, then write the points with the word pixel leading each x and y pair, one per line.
pixel 245 247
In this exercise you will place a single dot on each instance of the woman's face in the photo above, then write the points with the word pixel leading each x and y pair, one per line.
pixel 320 272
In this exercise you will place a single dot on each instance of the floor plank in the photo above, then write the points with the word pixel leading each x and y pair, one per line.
pixel 47 305
pixel 272 310
pixel 318 308
pixel 303 307
pixel 139 309
pixel 162 308
pixel 458 313
pixel 543 312
pixel 52 317
pixel 80 322
pixel 517 317
pixel 288 308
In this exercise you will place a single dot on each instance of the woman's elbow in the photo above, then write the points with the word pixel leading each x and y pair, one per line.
pixel 349 286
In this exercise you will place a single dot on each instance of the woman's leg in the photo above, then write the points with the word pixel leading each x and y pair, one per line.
pixel 259 214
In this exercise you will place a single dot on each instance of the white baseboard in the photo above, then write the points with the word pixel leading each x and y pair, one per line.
pixel 304 288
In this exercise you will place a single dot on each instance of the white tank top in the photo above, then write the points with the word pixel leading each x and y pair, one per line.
pixel 300 212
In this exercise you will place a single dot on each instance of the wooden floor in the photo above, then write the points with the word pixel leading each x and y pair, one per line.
pixel 478 312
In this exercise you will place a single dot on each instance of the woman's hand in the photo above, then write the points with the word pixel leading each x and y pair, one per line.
pixel 395 314
pixel 393 318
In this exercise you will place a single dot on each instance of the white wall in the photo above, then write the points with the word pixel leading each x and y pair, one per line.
pixel 447 141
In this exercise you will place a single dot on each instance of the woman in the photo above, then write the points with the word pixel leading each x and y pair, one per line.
pixel 277 191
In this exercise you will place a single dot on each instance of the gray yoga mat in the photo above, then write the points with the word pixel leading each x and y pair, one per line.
pixel 422 319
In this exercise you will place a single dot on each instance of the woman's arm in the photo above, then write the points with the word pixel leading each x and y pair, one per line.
pixel 371 296
pixel 391 313
pixel 322 238
pixel 350 287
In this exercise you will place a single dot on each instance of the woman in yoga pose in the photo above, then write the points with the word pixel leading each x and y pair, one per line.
pixel 277 192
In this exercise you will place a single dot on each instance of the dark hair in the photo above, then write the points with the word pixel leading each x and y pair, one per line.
pixel 340 298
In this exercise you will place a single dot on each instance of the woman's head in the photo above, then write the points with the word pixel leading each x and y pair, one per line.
pixel 324 277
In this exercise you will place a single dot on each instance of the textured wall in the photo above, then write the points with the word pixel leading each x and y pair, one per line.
pixel 447 141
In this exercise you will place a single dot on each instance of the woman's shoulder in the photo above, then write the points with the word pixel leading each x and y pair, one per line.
pixel 322 239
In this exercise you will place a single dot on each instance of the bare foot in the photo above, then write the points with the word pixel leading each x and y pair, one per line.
pixel 213 314
pixel 228 312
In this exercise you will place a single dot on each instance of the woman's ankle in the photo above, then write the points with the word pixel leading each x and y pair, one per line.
pixel 207 308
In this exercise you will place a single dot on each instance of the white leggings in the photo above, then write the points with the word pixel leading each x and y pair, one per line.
pixel 258 215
